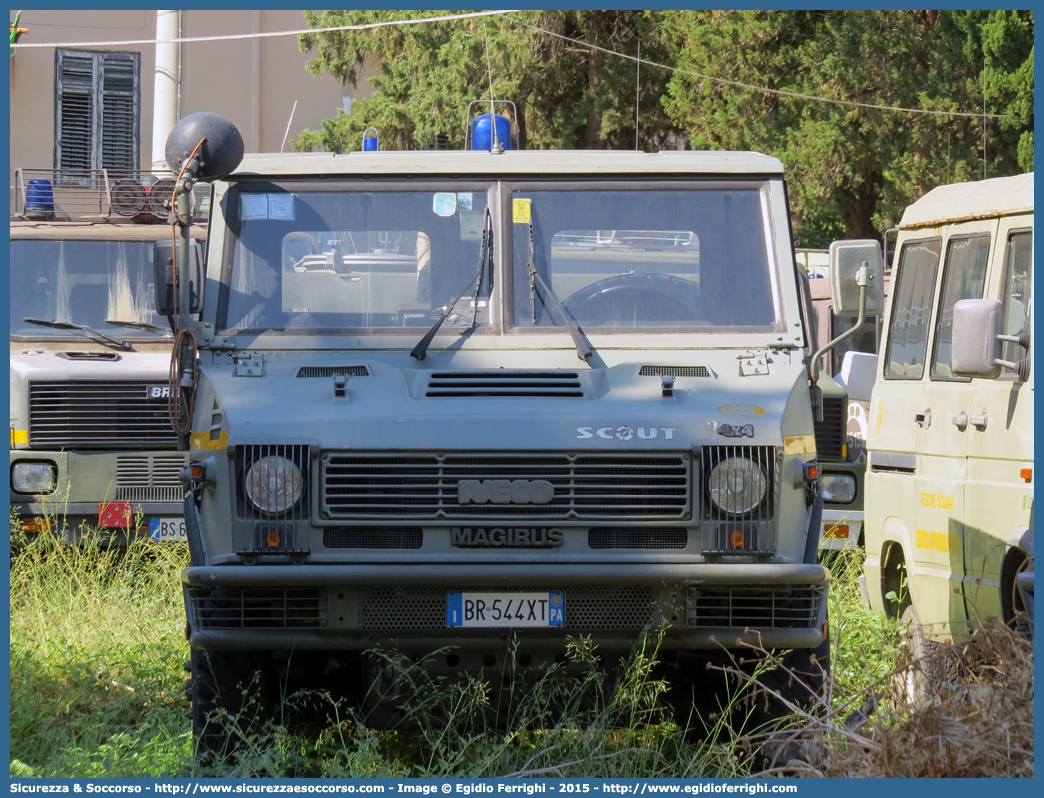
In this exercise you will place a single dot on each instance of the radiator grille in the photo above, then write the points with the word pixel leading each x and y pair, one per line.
pixel 831 432
pixel 588 607
pixel 505 383
pixel 258 608
pixel 734 524
pixel 775 608
pixel 426 485
pixel 382 537
pixel 637 537
pixel 99 413
pixel 140 478
pixel 329 371
pixel 674 371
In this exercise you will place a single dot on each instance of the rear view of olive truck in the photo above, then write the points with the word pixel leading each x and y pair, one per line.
pixel 484 400
pixel 91 442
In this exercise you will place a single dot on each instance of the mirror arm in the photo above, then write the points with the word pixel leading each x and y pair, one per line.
pixel 862 280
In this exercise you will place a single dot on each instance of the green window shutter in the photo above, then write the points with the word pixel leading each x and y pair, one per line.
pixel 120 93
pixel 74 110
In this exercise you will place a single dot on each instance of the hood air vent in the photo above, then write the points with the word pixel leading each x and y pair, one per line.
pixel 674 371
pixel 505 383
pixel 329 371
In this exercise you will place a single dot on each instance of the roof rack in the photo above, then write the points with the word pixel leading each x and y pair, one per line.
pixel 68 194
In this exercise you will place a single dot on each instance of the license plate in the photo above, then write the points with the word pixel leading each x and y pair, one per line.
pixel 166 530
pixel 505 609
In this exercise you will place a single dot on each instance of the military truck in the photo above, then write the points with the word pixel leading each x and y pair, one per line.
pixel 949 490
pixel 493 401
pixel 91 443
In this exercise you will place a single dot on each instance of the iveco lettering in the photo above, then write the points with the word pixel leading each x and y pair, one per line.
pixel 490 400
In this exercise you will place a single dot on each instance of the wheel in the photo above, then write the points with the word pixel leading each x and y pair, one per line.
pixel 230 694
pixel 635 300
pixel 800 679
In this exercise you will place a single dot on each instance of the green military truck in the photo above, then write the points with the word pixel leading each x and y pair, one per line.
pixel 465 398
pixel 91 443
pixel 949 490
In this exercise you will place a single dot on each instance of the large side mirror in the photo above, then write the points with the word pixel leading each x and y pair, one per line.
pixel 975 343
pixel 846 261
pixel 163 264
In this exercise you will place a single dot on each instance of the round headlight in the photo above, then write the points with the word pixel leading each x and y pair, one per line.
pixel 736 485
pixel 840 488
pixel 33 477
pixel 273 484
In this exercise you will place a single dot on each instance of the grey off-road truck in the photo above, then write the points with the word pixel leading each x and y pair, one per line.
pixel 484 401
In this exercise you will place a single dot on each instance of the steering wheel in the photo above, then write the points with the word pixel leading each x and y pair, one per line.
pixel 295 246
pixel 635 300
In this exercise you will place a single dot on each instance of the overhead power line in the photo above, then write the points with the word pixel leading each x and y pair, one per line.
pixel 782 92
pixel 269 35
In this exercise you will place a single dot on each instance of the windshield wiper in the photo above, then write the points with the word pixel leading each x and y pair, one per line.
pixel 485 253
pixel 583 351
pixel 64 325
pixel 139 325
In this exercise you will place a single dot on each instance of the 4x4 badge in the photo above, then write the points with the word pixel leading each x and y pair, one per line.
pixel 736 430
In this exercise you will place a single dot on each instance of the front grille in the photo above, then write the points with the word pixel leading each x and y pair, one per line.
pixel 330 371
pixel 505 383
pixel 734 524
pixel 140 478
pixel 638 486
pixel 674 371
pixel 367 537
pixel 637 537
pixel 258 608
pixel 106 414
pixel 587 607
pixel 769 607
pixel 831 432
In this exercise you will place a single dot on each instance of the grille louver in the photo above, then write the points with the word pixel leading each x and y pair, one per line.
pixel 674 371
pixel 329 371
pixel 637 538
pixel 831 432
pixel 258 608
pixel 99 414
pixel 775 608
pixel 637 486
pixel 140 478
pixel 505 383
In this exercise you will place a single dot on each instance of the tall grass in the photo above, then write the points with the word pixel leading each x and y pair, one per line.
pixel 97 683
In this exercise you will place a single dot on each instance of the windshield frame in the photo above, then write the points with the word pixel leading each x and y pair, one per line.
pixel 476 184
pixel 761 184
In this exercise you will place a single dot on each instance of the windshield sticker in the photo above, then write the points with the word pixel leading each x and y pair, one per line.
pixel 464 199
pixel 266 206
pixel 444 204
pixel 741 410
pixel 253 206
pixel 281 206
pixel 471 225
pixel 521 212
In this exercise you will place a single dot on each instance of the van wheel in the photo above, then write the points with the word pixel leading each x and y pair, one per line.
pixel 800 679
pixel 230 701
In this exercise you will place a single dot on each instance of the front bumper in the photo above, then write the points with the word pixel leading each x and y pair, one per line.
pixel 365 606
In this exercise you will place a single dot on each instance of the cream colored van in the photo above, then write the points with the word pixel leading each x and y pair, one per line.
pixel 949 487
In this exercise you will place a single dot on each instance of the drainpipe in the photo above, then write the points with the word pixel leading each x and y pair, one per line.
pixel 254 144
pixel 165 97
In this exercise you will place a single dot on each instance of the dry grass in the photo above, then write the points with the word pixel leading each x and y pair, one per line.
pixel 975 722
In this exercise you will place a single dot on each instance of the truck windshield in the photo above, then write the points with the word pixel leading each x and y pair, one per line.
pixel 374 259
pixel 636 260
pixel 84 282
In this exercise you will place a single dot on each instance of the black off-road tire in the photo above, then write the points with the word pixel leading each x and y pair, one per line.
pixel 915 684
pixel 231 701
pixel 800 679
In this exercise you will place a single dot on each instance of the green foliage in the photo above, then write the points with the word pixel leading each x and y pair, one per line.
pixel 567 96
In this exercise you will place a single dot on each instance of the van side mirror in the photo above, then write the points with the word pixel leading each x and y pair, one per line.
pixel 846 261
pixel 975 342
pixel 163 264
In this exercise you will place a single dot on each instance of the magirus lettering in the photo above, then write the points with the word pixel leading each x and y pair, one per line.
pixel 505 491
pixel 511 537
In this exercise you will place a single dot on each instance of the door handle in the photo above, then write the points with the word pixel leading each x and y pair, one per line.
pixel 924 419
pixel 980 420
pixel 960 421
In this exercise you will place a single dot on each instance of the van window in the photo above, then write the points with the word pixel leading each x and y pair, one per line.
pixel 1017 294
pixel 964 277
pixel 912 308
